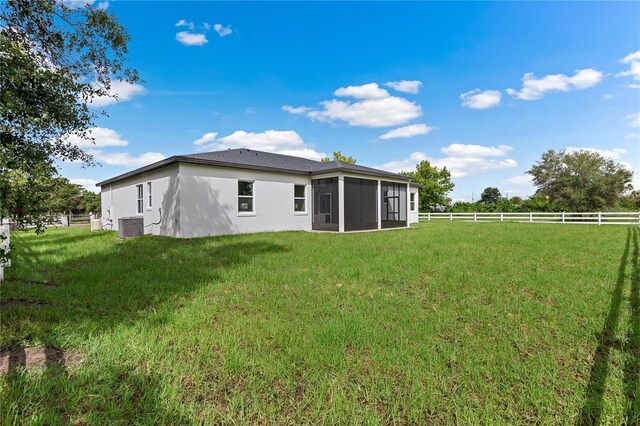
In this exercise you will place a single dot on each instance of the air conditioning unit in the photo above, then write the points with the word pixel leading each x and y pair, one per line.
pixel 96 224
pixel 130 226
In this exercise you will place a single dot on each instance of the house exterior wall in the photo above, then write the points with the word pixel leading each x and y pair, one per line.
pixel 209 201
pixel 413 215
pixel 195 200
pixel 119 199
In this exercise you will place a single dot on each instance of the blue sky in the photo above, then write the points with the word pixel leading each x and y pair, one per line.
pixel 482 88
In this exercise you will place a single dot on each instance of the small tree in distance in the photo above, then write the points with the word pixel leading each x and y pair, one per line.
pixel 338 156
pixel 436 185
pixel 490 196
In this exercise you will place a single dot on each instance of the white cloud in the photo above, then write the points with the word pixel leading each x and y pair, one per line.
pixel 405 86
pixel 385 112
pixel 287 142
pixel 120 91
pixel 296 110
pixel 469 150
pixel 184 23
pixel 373 107
pixel 124 158
pixel 206 138
pixel 524 179
pixel 102 137
pixel 75 4
pixel 88 184
pixel 407 131
pixel 534 88
pixel 613 153
pixel 366 91
pixel 206 26
pixel 478 99
pixel 458 161
pixel 191 39
pixel 634 119
pixel 633 59
pixel 222 30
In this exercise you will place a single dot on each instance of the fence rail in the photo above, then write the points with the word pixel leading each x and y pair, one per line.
pixel 594 218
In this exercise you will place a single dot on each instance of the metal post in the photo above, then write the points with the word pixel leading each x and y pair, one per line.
pixel 530 217
pixel 501 216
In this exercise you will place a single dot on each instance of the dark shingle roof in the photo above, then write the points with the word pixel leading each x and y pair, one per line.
pixel 260 160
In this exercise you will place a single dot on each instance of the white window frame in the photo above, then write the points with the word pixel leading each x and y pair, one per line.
pixel 412 201
pixel 252 196
pixel 149 198
pixel 139 199
pixel 303 198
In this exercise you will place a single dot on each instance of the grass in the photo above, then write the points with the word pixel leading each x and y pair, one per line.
pixel 448 322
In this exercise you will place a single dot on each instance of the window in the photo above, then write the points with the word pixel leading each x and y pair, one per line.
pixel 412 201
pixel 299 198
pixel 245 197
pixel 140 196
pixel 149 192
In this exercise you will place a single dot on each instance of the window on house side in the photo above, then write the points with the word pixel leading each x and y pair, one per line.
pixel 299 198
pixel 245 197
pixel 149 192
pixel 412 202
pixel 140 197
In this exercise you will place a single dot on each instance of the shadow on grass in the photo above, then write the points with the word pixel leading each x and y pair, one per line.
pixel 592 410
pixel 118 281
pixel 55 399
pixel 102 285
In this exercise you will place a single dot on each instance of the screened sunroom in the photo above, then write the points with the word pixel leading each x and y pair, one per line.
pixel 349 203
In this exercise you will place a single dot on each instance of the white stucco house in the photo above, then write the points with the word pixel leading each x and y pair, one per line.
pixel 243 191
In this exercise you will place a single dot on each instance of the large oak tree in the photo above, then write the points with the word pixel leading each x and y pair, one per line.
pixel 54 60
pixel 580 180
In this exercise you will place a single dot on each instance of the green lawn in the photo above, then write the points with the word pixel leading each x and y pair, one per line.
pixel 448 322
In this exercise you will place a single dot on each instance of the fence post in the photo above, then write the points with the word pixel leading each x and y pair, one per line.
pixel 530 217
pixel 501 216
pixel 428 215
pixel 599 218
pixel 475 216
pixel 638 218
pixel 562 217
pixel 451 216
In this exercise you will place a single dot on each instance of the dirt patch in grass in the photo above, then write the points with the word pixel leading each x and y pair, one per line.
pixel 9 303
pixel 37 358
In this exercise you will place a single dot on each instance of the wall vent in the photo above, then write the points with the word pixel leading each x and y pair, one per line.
pixel 130 226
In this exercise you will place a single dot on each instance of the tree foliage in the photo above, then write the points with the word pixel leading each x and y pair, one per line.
pixel 436 184
pixel 580 180
pixel 490 195
pixel 38 200
pixel 338 156
pixel 54 60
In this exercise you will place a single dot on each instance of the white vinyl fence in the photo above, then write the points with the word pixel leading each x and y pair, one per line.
pixel 596 218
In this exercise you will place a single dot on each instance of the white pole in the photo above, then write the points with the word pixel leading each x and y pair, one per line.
pixel 562 217
pixel 599 218
pixel 451 216
pixel 475 216
pixel 501 216
pixel 530 217
pixel 341 203
pixel 428 215
pixel 379 207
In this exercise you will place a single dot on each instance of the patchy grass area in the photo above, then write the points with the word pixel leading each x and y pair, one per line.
pixel 444 323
